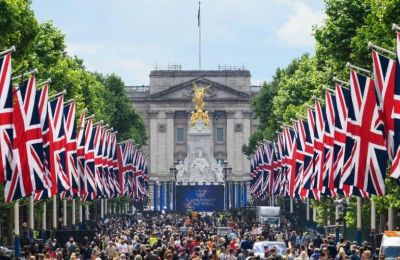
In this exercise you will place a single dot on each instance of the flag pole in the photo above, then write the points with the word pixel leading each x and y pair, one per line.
pixel 358 210
pixel 47 81
pixel 3 53
pixel 58 94
pixel 73 212
pixel 31 215
pixel 199 25
pixel 34 71
pixel 64 213
pixel 359 69
pixel 44 222
pixel 17 241
pixel 54 212
pixel 336 80
pixel 380 49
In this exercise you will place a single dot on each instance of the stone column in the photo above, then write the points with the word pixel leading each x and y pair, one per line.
pixel 155 195
pixel 246 135
pixel 162 196
pixel 170 140
pixel 153 142
pixel 230 147
pixel 168 195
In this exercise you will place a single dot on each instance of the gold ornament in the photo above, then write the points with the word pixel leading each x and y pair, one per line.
pixel 198 101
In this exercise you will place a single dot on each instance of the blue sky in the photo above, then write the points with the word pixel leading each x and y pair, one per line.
pixel 129 37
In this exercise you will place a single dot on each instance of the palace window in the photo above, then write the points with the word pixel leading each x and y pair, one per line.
pixel 180 135
pixel 220 135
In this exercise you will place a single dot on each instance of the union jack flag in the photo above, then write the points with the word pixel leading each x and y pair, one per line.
pixel 395 170
pixel 267 168
pixel 278 171
pixel 277 166
pixel 318 159
pixel 330 104
pixel 6 109
pixel 124 153
pixel 106 177
pixel 116 175
pixel 98 159
pixel 71 146
pixel 89 163
pixel 27 174
pixel 42 97
pixel 139 181
pixel 61 179
pixel 365 155
pixel 80 154
pixel 306 136
pixel 289 161
pixel 341 112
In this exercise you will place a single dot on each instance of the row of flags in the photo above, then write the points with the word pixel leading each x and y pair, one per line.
pixel 45 152
pixel 342 147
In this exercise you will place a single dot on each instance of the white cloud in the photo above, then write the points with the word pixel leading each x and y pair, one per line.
pixel 297 30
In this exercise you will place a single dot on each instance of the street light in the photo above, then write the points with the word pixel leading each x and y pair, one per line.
pixel 227 171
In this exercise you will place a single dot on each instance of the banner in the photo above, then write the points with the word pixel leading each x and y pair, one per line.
pixel 204 198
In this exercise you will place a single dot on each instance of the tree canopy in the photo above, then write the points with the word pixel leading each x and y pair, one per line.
pixel 42 46
pixel 343 37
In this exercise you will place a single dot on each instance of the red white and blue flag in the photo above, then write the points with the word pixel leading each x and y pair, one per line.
pixel 27 174
pixel 71 147
pixel 365 155
pixel 6 124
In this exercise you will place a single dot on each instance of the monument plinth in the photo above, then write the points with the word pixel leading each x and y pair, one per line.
pixel 199 165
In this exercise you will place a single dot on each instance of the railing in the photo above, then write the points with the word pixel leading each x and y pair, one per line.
pixel 169 67
pixel 140 89
pixel 231 67
pixel 255 89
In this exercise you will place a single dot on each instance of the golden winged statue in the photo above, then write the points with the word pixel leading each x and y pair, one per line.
pixel 198 100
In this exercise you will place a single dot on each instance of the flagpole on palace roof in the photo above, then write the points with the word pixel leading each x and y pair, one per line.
pixel 199 25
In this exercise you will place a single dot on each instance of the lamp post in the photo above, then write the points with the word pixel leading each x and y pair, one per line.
pixel 174 171
pixel 227 171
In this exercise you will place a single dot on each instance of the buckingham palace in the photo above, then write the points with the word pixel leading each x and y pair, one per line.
pixel 167 109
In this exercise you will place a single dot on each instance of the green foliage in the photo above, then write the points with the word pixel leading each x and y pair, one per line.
pixel 343 37
pixel 42 46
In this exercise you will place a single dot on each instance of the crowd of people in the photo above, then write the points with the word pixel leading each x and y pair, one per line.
pixel 220 236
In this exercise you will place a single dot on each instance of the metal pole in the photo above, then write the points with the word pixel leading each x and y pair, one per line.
pixel 373 223
pixel 102 208
pixel 199 23
pixel 3 53
pixel 291 205
pixel 106 206
pixel 390 219
pixel 373 216
pixel 80 215
pixel 73 222
pixel 34 71
pixel 314 215
pixel 54 212
pixel 336 223
pixel 17 243
pixel 358 232
pixel 44 224
pixel 64 213
pixel 31 215
pixel 86 212
pixel 308 209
